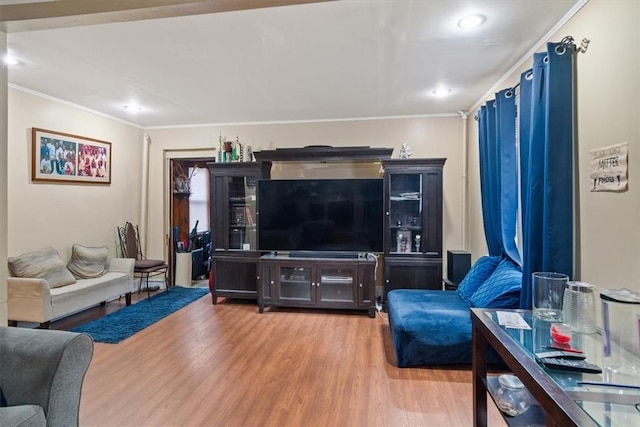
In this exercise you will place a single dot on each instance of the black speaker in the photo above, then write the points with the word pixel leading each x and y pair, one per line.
pixel 458 264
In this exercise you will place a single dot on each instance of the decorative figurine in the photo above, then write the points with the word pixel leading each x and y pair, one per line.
pixel 405 151
pixel 220 149
pixel 238 154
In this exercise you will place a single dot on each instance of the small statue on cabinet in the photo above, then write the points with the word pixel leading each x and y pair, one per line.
pixel 405 151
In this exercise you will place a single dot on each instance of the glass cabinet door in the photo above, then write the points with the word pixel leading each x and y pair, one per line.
pixel 405 213
pixel 242 212
pixel 296 284
pixel 336 284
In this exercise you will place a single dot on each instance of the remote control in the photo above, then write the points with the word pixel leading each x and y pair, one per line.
pixel 570 365
pixel 561 354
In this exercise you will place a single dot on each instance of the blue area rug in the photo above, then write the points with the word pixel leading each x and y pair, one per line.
pixel 127 321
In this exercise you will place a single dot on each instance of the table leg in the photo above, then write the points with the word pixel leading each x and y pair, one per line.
pixel 479 363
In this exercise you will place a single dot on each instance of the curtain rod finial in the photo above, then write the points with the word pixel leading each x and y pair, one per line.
pixel 584 44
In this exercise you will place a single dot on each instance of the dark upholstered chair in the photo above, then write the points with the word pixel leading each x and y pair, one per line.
pixel 41 375
pixel 131 248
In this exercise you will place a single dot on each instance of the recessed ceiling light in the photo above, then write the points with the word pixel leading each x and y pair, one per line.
pixel 10 60
pixel 441 92
pixel 471 21
pixel 132 108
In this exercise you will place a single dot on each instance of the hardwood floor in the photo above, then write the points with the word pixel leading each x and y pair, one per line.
pixel 227 365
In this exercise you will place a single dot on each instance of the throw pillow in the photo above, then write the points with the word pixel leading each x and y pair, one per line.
pixel 88 262
pixel 43 264
pixel 479 272
pixel 501 289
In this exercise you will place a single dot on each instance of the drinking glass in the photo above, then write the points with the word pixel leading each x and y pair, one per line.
pixel 547 289
pixel 579 307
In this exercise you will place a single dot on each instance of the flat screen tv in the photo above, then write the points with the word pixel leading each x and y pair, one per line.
pixel 336 215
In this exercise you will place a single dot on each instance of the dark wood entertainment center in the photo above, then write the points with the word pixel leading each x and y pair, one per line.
pixel 412 235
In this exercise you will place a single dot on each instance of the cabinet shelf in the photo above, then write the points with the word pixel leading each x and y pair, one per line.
pixel 405 199
pixel 405 227
pixel 294 281
pixel 330 280
pixel 242 199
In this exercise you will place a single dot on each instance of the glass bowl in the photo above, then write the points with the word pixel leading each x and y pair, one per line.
pixel 511 396
pixel 560 333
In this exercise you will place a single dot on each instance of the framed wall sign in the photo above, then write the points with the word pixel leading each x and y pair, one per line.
pixel 62 157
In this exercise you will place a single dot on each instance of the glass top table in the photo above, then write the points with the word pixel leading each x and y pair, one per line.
pixel 565 397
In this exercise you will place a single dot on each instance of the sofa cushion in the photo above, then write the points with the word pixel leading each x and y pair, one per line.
pixel 43 264
pixel 23 416
pixel 88 262
pixel 479 272
pixel 429 327
pixel 142 264
pixel 501 289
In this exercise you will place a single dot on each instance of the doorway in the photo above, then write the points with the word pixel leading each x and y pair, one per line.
pixel 189 214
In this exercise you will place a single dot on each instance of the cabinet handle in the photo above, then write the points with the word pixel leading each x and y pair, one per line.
pixel 272 282
pixel 360 284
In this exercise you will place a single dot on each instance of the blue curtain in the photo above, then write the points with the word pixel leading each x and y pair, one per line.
pixel 498 174
pixel 546 162
pixel 508 169
pixel 545 130
pixel 488 178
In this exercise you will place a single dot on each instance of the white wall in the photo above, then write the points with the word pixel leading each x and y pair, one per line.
pixel 3 181
pixel 58 215
pixel 608 112
pixel 427 137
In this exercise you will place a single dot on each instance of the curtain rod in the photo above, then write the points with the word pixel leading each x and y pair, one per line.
pixel 567 42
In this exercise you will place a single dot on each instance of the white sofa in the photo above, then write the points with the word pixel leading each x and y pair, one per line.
pixel 31 299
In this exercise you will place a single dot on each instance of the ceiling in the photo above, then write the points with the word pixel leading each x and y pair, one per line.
pixel 298 62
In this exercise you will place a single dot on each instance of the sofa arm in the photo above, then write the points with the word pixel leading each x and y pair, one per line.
pixel 45 368
pixel 122 265
pixel 29 300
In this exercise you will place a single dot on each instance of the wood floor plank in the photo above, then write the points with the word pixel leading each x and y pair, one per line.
pixel 227 365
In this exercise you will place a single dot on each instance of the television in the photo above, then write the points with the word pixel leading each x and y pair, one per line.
pixel 320 215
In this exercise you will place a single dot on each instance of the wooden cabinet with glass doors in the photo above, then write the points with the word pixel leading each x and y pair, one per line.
pixel 347 284
pixel 233 224
pixel 413 224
